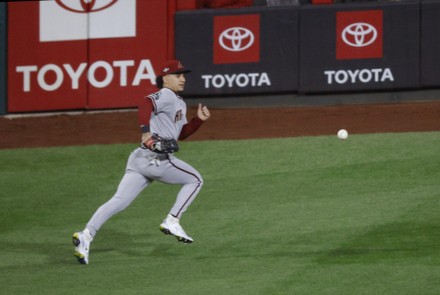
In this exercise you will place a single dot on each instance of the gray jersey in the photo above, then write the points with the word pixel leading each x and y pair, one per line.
pixel 169 114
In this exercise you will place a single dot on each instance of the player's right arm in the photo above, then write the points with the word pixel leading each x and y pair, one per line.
pixel 203 114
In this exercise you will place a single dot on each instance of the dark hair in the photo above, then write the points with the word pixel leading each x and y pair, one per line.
pixel 159 82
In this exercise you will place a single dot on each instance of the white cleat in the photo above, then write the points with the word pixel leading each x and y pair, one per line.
pixel 171 226
pixel 82 243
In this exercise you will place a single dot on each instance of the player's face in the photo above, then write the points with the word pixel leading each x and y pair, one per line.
pixel 175 82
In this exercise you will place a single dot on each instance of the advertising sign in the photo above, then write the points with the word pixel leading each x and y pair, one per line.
pixel 2 58
pixel 359 47
pixel 237 44
pixel 359 34
pixel 68 54
pixel 239 51
pixel 430 43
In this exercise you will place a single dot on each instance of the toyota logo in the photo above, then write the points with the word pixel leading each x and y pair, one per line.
pixel 359 34
pixel 85 6
pixel 236 39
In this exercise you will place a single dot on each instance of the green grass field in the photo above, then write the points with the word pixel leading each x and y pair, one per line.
pixel 306 215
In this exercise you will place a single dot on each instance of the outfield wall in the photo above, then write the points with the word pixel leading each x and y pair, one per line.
pixel 430 43
pixel 66 58
pixel 366 47
pixel 372 46
pixel 264 57
pixel 3 61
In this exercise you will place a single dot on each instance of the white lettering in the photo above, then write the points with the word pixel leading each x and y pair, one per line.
pixel 230 80
pixel 329 75
pixel 376 73
pixel 264 79
pixel 387 75
pixel 122 65
pixel 365 76
pixel 74 75
pixel 144 71
pixel 26 70
pixel 108 77
pixel 207 78
pixel 359 76
pixel 58 80
pixel 234 80
pixel 218 81
pixel 244 80
pixel 254 77
pixel 353 75
pixel 341 77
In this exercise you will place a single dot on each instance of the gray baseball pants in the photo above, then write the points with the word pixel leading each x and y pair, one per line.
pixel 143 167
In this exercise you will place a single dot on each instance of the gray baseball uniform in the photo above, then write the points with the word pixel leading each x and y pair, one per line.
pixel 145 166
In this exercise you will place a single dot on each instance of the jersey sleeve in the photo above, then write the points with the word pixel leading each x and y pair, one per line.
pixel 145 108
pixel 190 128
pixel 161 101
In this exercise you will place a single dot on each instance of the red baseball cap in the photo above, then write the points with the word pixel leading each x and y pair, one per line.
pixel 173 67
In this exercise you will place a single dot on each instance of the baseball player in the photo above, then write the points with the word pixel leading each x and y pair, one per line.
pixel 162 119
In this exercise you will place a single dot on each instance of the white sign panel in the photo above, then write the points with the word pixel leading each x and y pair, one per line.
pixel 65 20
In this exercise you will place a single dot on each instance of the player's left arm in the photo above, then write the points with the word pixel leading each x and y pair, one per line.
pixel 192 126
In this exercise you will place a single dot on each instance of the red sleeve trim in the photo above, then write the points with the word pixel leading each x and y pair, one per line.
pixel 190 128
pixel 145 108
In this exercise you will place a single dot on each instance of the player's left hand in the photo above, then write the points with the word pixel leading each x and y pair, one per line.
pixel 203 112
pixel 161 145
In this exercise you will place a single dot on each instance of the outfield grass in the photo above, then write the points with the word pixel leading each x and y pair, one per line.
pixel 307 215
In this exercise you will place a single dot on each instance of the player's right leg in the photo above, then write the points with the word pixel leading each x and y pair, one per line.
pixel 129 188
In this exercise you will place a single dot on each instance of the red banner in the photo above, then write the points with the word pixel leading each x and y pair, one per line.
pixel 83 54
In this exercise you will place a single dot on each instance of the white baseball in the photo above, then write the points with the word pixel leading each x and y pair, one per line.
pixel 342 134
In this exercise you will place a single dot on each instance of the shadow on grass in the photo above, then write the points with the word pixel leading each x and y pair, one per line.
pixel 394 241
pixel 106 246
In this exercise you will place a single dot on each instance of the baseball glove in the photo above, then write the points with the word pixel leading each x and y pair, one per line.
pixel 161 145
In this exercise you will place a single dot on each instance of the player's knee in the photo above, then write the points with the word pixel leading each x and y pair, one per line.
pixel 197 182
pixel 200 181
